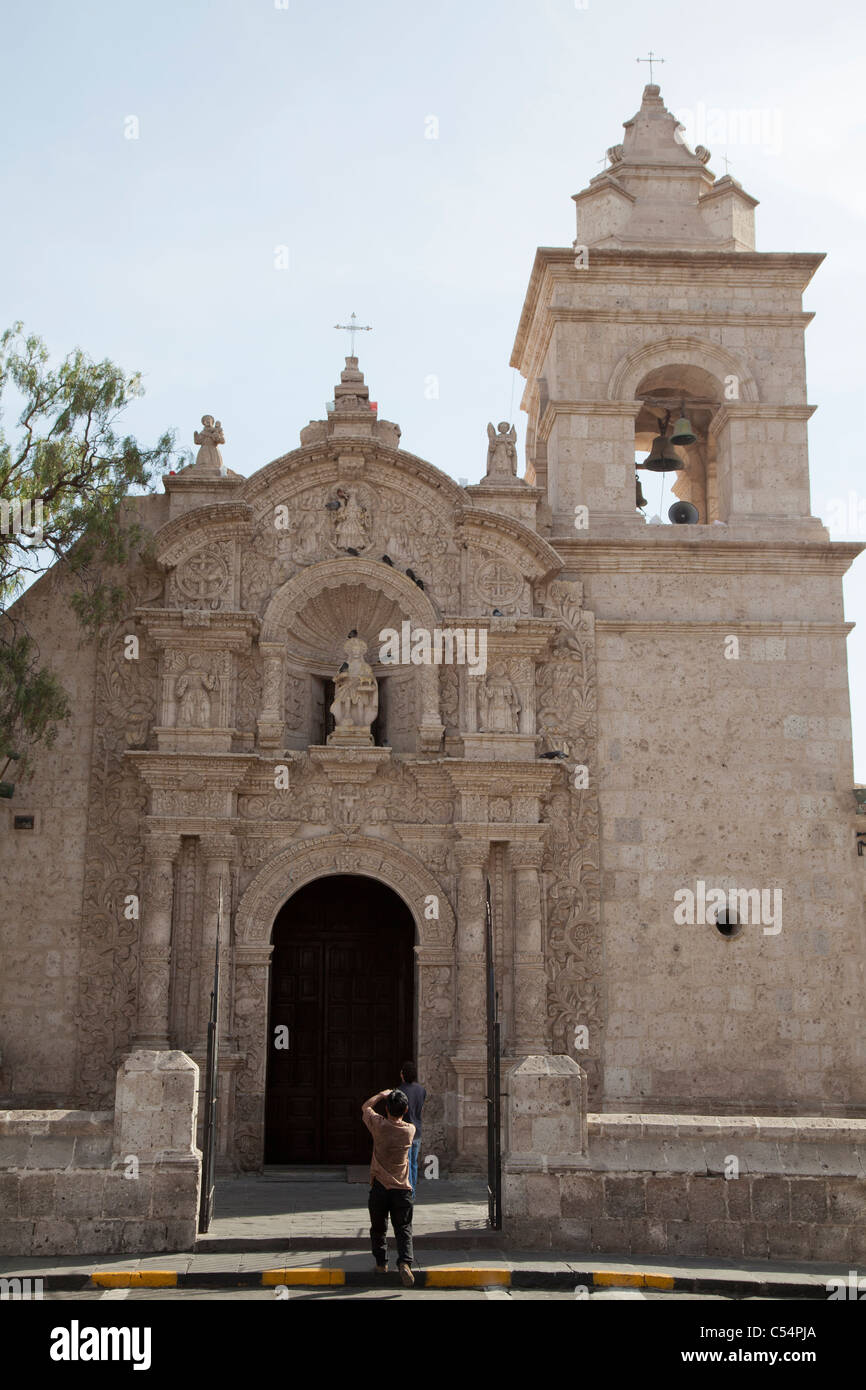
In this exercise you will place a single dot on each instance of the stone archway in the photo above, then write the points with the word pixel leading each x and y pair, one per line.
pixel 277 881
pixel 342 997
pixel 720 363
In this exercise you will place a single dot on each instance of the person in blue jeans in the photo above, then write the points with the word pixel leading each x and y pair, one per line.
pixel 416 1096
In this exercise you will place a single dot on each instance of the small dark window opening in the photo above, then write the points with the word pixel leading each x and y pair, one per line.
pixel 329 722
pixel 24 823
pixel 728 923
pixel 377 728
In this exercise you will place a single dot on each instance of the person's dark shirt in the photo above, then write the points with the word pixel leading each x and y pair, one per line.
pixel 416 1096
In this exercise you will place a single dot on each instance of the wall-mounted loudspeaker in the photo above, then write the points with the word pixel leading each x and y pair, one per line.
pixel 684 514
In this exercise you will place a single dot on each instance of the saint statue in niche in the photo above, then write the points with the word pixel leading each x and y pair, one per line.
pixel 356 698
pixel 498 703
pixel 351 522
pixel 191 689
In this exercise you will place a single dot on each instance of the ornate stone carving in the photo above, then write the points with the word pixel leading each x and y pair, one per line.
pixel 499 704
pixel 249 691
pixel 499 585
pixel 296 701
pixel 193 689
pixel 202 580
pixel 351 510
pixel 567 716
pixel 565 689
pixel 449 685
pixel 250 1020
pixel 308 859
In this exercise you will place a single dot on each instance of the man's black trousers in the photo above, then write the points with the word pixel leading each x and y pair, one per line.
pixel 398 1204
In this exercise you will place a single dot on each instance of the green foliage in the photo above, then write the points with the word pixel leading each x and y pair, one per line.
pixel 67 471
pixel 32 700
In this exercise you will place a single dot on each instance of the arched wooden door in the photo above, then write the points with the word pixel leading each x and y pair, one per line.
pixel 342 984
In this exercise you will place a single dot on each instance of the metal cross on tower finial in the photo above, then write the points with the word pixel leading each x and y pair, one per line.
pixel 727 162
pixel 651 59
pixel 353 327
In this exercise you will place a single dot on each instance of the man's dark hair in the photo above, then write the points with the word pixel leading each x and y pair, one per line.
pixel 409 1071
pixel 397 1104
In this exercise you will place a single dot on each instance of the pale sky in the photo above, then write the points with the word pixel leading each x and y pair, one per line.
pixel 261 126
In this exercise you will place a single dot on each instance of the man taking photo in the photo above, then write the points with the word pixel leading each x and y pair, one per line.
pixel 390 1188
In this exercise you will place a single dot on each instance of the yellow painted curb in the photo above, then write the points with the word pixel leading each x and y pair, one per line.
pixel 135 1279
pixel 459 1277
pixel 271 1277
pixel 633 1281
pixel 618 1281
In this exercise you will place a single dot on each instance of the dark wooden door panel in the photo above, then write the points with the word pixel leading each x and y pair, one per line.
pixel 342 983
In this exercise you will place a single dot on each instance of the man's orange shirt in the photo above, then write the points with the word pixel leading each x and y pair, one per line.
pixel 391 1142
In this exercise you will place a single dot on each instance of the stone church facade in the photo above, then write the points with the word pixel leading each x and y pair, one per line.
pixel 661 707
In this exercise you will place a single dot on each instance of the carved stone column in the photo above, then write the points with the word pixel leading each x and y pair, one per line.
pixel 472 857
pixel 218 852
pixel 530 985
pixel 251 1024
pixel 271 721
pixel 154 955
pixel 431 728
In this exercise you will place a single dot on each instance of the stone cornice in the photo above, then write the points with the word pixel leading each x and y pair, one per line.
pixel 735 318
pixel 167 770
pixel 253 955
pixel 757 627
pixel 672 553
pixel 202 628
pixel 508 637
pixel 631 409
pixel 758 410
pixel 210 522
pixel 526 779
pixel 517 490
pixel 729 268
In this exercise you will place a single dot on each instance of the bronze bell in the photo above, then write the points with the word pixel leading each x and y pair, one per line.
pixel 662 457
pixel 639 499
pixel 683 432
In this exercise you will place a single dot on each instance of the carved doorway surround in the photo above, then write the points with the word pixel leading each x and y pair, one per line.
pixel 434 921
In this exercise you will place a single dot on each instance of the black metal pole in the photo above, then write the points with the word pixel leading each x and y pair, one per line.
pixel 494 1172
pixel 210 1090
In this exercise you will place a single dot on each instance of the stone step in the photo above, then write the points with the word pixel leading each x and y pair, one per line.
pixel 434 1240
pixel 304 1173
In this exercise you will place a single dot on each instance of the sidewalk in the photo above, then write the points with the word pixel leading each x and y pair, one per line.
pixel 439 1268
pixel 253 1214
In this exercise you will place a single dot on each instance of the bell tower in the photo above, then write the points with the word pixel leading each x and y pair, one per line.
pixel 664 308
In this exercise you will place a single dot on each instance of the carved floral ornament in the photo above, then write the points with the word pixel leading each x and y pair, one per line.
pixel 204 578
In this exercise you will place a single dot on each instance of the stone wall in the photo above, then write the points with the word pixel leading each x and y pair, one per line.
pixel 657 1184
pixel 79 1182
